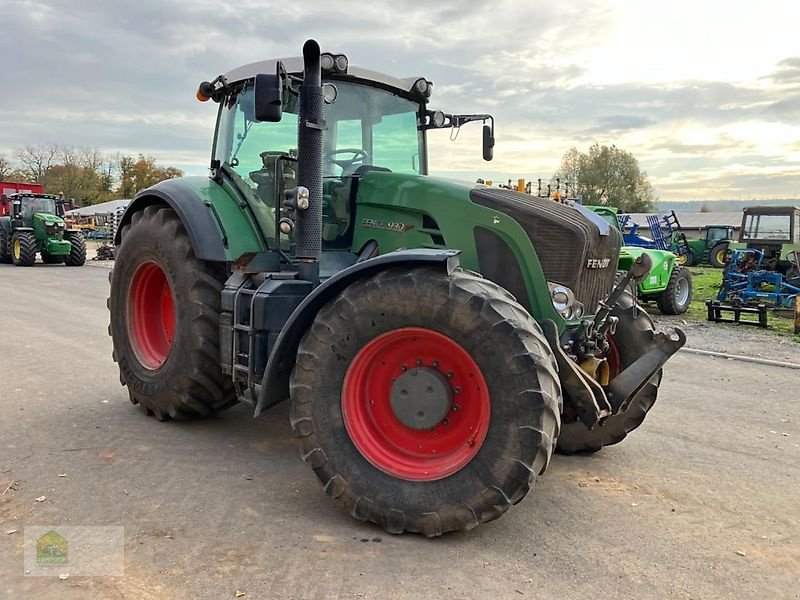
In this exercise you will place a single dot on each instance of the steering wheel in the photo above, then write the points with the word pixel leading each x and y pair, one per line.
pixel 358 156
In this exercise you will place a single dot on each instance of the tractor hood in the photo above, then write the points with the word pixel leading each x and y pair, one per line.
pixel 495 230
pixel 46 219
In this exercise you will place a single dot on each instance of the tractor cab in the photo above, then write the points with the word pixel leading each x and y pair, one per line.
pixel 372 122
pixel 774 231
pixel 718 233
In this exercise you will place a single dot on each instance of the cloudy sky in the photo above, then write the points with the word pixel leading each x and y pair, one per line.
pixel 705 94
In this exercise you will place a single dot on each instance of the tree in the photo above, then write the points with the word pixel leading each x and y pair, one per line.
pixel 141 173
pixel 36 160
pixel 608 175
pixel 5 168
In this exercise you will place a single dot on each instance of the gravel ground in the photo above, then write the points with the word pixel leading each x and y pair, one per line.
pixel 742 340
pixel 701 502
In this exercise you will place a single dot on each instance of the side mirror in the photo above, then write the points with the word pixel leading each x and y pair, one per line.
pixel 488 143
pixel 268 97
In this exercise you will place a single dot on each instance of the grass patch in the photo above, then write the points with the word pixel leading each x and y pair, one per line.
pixel 706 282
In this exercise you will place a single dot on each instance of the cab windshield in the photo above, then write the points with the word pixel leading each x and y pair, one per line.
pixel 31 206
pixel 367 128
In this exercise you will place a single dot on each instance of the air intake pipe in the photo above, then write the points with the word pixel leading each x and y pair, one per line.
pixel 308 235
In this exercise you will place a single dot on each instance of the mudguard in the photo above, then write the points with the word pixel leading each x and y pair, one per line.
pixel 275 384
pixel 218 226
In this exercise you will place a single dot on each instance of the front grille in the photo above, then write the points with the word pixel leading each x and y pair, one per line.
pixel 564 240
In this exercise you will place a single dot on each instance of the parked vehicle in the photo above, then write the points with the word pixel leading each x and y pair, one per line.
pixel 437 341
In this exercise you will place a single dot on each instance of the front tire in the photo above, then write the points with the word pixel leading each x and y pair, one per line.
pixel 491 362
pixel 676 298
pixel 165 306
pixel 23 248
pixel 77 252
pixel 631 340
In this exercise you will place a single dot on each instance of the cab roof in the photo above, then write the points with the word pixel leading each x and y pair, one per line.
pixel 294 65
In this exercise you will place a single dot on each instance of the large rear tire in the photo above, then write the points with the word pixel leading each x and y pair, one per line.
pixel 23 248
pixel 686 259
pixel 77 251
pixel 5 248
pixel 632 339
pixel 481 351
pixel 719 255
pixel 676 298
pixel 165 306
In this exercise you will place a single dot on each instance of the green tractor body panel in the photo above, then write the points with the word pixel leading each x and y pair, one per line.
pixel 223 225
pixel 51 242
pixel 658 279
pixel 220 200
pixel 413 211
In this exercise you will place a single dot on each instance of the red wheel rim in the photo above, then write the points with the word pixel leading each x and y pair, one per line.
pixel 390 445
pixel 151 315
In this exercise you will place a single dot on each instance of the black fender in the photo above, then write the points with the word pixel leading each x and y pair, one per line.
pixel 203 232
pixel 16 229
pixel 275 384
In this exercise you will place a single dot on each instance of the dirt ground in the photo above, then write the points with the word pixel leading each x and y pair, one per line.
pixel 702 502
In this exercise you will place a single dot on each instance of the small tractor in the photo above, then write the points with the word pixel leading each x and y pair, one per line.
pixel 437 341
pixel 711 249
pixel 667 234
pixel 668 284
pixel 34 224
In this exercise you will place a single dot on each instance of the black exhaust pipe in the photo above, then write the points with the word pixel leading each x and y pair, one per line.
pixel 309 164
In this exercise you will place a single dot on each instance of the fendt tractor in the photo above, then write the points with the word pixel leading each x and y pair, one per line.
pixel 34 224
pixel 437 341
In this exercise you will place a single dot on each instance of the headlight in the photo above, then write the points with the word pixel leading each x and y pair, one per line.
pixel 564 301
pixel 326 62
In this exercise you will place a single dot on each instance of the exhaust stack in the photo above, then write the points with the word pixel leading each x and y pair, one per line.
pixel 309 164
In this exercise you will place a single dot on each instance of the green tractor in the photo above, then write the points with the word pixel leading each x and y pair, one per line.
pixel 35 225
pixel 668 284
pixel 711 249
pixel 437 341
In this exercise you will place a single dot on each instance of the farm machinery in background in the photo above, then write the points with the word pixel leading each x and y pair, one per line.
pixel 764 267
pixel 15 187
pixel 437 341
pixel 666 234
pixel 669 285
pixel 34 224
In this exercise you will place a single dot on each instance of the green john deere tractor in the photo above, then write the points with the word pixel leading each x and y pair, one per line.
pixel 36 225
pixel 437 341
pixel 668 284
pixel 711 249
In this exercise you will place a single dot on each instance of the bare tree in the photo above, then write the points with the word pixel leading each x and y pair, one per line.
pixel 5 168
pixel 35 161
